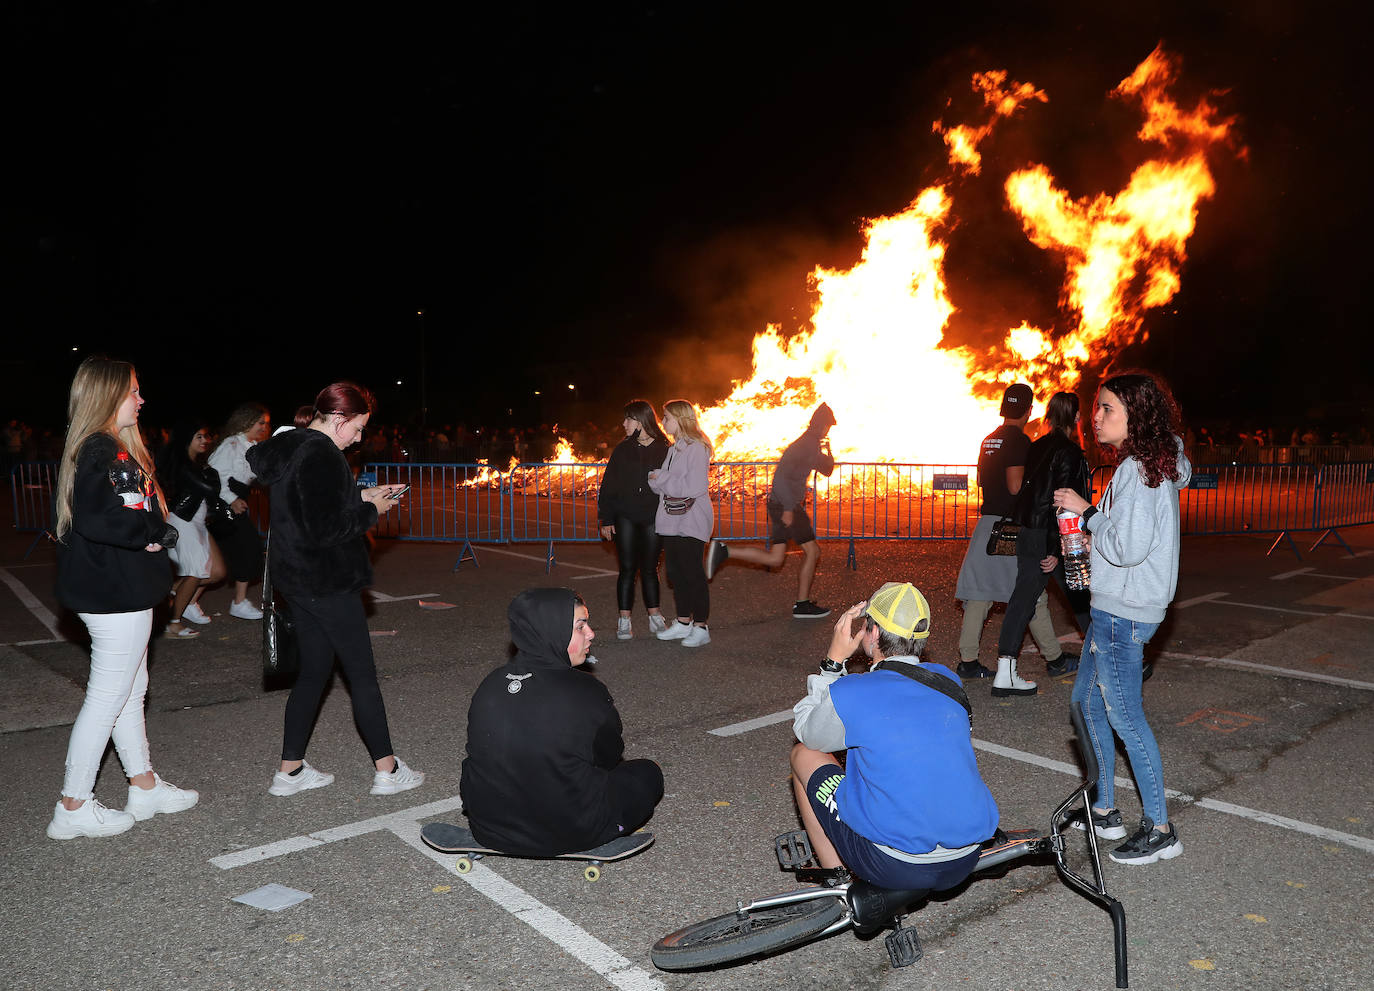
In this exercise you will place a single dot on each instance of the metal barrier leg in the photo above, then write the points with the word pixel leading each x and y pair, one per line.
pixel 550 561
pixel 467 554
pixel 1280 539
pixel 853 562
pixel 1333 533
pixel 49 534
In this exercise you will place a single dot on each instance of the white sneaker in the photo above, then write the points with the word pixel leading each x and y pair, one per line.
pixel 194 613
pixel 90 819
pixel 677 631
pixel 622 628
pixel 698 637
pixel 163 796
pixel 288 784
pixel 401 779
pixel 244 610
pixel 657 624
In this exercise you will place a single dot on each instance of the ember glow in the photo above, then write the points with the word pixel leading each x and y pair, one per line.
pixel 875 348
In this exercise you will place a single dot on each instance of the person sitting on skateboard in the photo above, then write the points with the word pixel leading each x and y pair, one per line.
pixel 909 809
pixel 544 773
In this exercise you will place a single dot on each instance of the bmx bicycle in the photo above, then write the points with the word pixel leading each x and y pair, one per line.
pixel 836 900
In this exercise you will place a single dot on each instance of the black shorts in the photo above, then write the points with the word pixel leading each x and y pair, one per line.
pixel 863 857
pixel 799 532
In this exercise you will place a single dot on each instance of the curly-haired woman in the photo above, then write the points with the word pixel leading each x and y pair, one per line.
pixel 1135 539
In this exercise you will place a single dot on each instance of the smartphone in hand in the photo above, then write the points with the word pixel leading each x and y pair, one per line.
pixel 400 492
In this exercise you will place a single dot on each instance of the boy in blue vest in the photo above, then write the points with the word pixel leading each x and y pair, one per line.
pixel 909 809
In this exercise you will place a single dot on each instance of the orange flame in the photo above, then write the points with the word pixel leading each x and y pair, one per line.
pixel 875 350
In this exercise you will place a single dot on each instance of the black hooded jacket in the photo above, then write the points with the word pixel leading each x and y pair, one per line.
pixel 1053 462
pixel 542 739
pixel 319 518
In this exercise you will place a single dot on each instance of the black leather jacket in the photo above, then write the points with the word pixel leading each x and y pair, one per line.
pixel 1053 462
pixel 195 483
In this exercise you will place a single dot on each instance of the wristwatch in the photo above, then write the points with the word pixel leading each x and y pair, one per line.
pixel 1088 514
pixel 832 667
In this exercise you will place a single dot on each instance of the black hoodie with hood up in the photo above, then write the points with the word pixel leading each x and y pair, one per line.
pixel 543 738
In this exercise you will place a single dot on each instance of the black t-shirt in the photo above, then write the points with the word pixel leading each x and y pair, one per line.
pixel 1004 448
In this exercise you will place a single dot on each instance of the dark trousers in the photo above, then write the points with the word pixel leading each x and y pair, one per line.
pixel 327 627
pixel 1030 582
pixel 241 546
pixel 634 790
pixel 637 546
pixel 686 571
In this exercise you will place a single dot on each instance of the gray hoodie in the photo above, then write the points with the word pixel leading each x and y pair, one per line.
pixel 1135 543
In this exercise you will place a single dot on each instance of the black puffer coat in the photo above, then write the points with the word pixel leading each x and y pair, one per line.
pixel 319 518
pixel 1053 462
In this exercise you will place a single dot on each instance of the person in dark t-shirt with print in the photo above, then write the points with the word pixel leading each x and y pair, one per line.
pixel 984 578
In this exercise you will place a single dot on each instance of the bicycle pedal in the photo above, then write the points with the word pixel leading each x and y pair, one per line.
pixel 904 947
pixel 793 850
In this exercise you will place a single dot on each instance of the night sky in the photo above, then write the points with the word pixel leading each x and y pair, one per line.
pixel 249 204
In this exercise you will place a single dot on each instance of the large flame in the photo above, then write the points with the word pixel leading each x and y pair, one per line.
pixel 875 348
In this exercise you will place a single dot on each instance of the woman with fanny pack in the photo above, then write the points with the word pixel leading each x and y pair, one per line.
pixel 685 521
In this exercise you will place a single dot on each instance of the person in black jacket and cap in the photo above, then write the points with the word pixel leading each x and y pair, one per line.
pixel 544 773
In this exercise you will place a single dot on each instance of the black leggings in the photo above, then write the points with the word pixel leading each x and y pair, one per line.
pixel 637 545
pixel 682 555
pixel 325 627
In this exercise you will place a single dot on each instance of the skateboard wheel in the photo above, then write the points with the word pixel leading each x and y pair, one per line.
pixel 592 873
pixel 463 865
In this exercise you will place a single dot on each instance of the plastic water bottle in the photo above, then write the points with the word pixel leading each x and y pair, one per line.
pixel 1077 570
pixel 127 479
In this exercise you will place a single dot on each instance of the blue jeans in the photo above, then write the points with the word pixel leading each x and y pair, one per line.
pixel 1112 666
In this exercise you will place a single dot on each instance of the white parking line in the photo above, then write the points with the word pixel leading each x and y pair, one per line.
pixel 1297 612
pixel 596 572
pixel 1198 599
pixel 735 729
pixel 1290 574
pixel 553 926
pixel 1328 679
pixel 22 593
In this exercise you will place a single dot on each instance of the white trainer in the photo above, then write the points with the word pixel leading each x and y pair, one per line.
pixel 288 784
pixel 89 819
pixel 678 631
pixel 403 778
pixel 699 637
pixel 244 610
pixel 195 614
pixel 163 796
pixel 623 630
pixel 657 624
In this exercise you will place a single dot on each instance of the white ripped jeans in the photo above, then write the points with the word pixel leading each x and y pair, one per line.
pixel 115 691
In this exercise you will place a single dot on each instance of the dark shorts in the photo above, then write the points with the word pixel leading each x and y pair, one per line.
pixel 799 532
pixel 863 858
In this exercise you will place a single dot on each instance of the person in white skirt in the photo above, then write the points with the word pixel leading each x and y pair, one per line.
pixel 192 489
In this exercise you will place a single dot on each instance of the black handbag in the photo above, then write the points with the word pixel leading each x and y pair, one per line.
pixel 1002 540
pixel 280 652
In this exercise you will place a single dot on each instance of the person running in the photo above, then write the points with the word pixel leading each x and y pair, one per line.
pixel 545 772
pixel 111 571
pixel 787 513
pixel 987 578
pixel 626 506
pixel 909 809
pixel 1135 542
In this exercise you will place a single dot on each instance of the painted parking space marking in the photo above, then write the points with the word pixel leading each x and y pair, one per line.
pixel 735 729
pixel 595 571
pixel 21 592
pixel 619 971
pixel 1073 771
pixel 1269 669
pixel 1290 574
pixel 1199 599
pixel 1296 612
pixel 552 925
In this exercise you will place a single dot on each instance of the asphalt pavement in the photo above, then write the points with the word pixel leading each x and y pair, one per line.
pixel 1261 702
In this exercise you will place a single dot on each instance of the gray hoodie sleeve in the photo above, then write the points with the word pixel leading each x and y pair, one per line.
pixel 815 721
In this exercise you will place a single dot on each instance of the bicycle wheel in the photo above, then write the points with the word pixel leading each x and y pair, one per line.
pixel 736 936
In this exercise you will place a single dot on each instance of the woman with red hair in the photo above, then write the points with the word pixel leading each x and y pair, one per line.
pixel 1135 542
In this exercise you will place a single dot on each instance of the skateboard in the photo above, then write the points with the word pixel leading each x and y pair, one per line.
pixel 448 838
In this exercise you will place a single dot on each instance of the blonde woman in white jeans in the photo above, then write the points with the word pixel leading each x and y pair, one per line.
pixel 111 571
